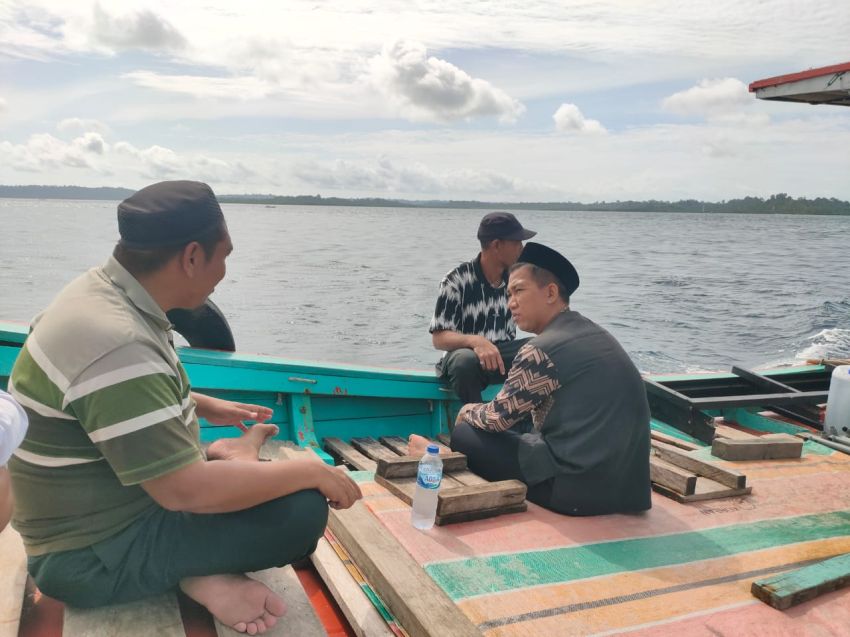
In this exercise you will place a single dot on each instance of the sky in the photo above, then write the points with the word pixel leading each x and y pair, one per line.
pixel 570 100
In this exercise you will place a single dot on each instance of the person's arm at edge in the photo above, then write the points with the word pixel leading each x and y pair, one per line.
pixel 5 498
pixel 227 412
pixel 449 340
pixel 225 486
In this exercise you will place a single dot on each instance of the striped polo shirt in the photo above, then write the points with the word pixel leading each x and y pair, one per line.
pixel 109 406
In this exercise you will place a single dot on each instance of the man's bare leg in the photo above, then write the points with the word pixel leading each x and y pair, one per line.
pixel 246 447
pixel 244 604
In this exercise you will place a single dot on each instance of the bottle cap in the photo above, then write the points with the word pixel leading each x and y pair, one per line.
pixel 433 449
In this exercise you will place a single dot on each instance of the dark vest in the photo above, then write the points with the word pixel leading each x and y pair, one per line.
pixel 594 441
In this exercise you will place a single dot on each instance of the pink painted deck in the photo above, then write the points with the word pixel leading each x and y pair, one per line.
pixel 688 597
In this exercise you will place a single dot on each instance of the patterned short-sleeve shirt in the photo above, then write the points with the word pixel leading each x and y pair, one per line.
pixel 468 304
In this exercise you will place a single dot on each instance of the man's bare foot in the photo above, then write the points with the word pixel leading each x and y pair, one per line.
pixel 418 445
pixel 246 447
pixel 244 604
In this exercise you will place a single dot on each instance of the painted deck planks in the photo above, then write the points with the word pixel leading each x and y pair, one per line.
pixel 788 589
pixel 300 619
pixel 155 616
pixel 358 609
pixel 422 608
pixel 13 579
pixel 395 443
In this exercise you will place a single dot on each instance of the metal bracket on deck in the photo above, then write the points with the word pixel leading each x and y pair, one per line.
pixel 301 422
pixel 683 403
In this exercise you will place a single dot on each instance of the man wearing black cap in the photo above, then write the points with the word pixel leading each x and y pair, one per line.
pixel 472 322
pixel 116 499
pixel 588 451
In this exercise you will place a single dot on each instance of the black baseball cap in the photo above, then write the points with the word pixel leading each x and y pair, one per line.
pixel 502 225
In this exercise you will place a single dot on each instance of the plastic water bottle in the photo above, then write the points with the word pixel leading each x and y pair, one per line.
pixel 838 404
pixel 428 480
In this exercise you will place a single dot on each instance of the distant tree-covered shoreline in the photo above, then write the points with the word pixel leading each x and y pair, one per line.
pixel 775 204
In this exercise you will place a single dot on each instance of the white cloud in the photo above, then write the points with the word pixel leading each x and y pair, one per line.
pixel 232 88
pixel 4 105
pixel 568 118
pixel 78 123
pixel 44 151
pixel 431 89
pixel 158 162
pixel 709 98
pixel 141 30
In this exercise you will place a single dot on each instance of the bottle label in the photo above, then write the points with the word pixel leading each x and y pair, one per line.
pixel 429 480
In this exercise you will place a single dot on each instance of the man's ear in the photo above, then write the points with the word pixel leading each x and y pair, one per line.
pixel 190 257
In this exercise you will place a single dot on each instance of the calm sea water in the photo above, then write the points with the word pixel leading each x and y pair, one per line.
pixel 682 292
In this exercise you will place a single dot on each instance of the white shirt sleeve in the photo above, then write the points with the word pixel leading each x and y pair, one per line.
pixel 13 426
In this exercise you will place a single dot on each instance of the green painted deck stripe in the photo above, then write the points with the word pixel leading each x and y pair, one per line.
pixel 499 573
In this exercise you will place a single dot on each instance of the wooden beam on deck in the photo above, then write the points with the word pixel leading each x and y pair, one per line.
pixel 729 477
pixel 348 454
pixel 670 476
pixel 422 608
pixel 373 449
pixel 786 590
pixel 407 466
pixel 769 447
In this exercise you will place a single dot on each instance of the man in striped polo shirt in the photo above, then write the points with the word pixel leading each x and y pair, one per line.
pixel 472 322
pixel 115 499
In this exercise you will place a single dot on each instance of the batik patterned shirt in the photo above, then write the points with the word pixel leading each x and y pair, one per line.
pixel 527 392
pixel 468 304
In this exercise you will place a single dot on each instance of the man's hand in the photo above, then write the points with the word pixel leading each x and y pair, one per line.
pixel 488 355
pixel 338 487
pixel 226 412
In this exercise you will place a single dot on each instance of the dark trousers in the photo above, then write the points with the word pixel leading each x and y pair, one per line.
pixel 162 547
pixel 465 375
pixel 494 455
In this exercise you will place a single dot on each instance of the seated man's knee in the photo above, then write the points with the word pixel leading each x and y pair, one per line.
pixel 304 515
pixel 463 438
pixel 462 363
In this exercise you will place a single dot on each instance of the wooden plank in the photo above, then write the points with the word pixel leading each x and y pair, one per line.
pixel 395 443
pixel 373 449
pixel 478 497
pixel 480 514
pixel 358 609
pixel 705 489
pixel 446 439
pixel 405 488
pixel 468 478
pixel 729 477
pixel 676 442
pixel 406 466
pixel 771 447
pixel 348 454
pixel 788 589
pixel 725 431
pixel 300 618
pixel 13 579
pixel 421 607
pixel 158 615
pixel 671 476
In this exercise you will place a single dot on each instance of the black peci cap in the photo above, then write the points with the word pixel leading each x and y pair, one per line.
pixel 553 261
pixel 168 213
pixel 502 225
